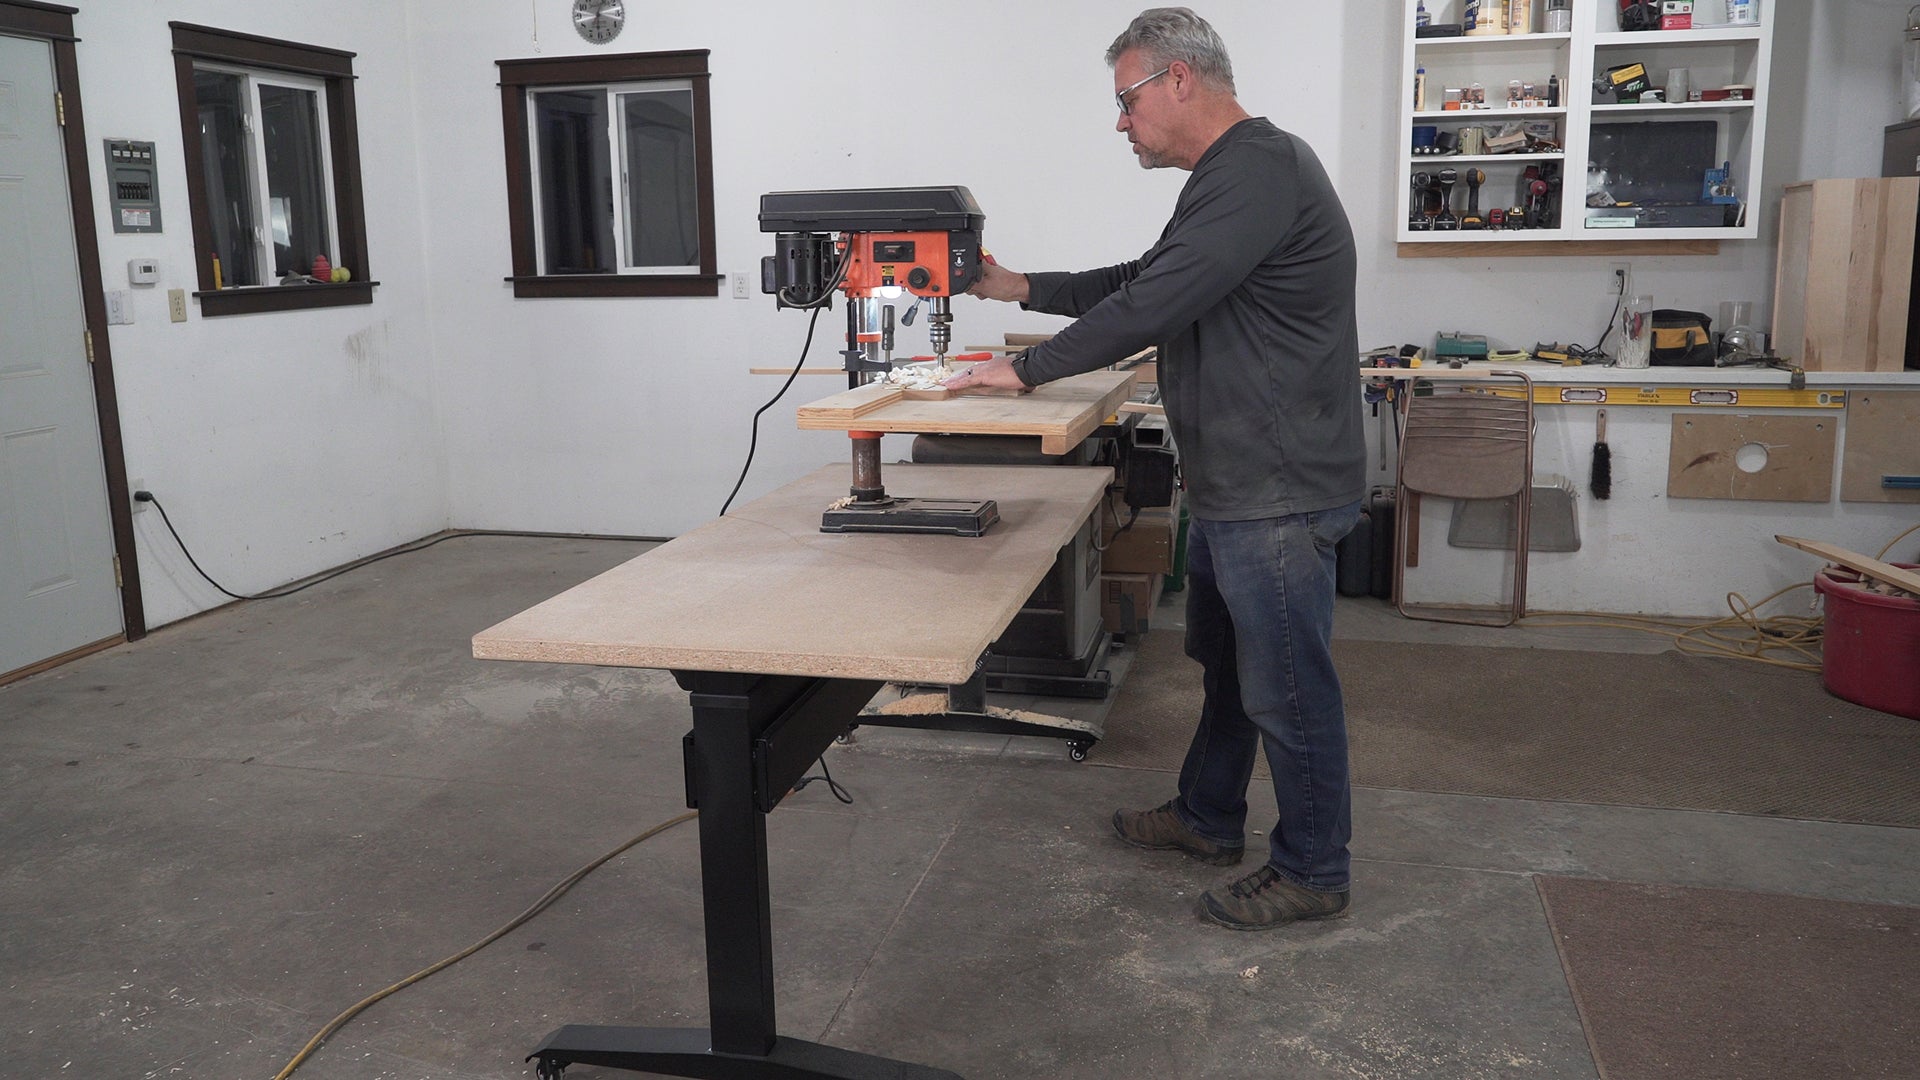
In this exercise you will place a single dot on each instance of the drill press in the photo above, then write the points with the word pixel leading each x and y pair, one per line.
pixel 873 244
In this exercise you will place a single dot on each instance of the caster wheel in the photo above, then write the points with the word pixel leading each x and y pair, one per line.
pixel 548 1069
pixel 1077 751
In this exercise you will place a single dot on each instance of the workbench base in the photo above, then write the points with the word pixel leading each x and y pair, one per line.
pixel 689 1052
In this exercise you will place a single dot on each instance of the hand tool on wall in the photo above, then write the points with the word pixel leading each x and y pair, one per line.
pixel 1600 481
pixel 1473 220
pixel 1417 216
pixel 1445 180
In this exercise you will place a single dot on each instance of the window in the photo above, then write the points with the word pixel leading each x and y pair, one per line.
pixel 610 175
pixel 273 172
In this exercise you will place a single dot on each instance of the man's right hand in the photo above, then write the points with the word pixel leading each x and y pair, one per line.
pixel 998 283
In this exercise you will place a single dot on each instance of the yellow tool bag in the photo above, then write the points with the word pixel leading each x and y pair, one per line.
pixel 1682 339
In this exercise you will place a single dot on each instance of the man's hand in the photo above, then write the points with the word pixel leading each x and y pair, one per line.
pixel 995 372
pixel 999 283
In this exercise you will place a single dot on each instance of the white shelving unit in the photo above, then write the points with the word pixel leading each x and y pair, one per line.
pixel 1714 56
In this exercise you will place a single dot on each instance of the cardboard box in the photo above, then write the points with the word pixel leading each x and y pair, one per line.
pixel 1127 601
pixel 1147 547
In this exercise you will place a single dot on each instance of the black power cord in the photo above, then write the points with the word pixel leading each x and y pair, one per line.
pixel 753 441
pixel 148 497
pixel 817 304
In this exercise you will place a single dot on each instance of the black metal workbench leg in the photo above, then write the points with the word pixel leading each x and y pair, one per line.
pixel 751 736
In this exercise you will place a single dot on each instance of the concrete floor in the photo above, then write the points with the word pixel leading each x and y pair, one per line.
pixel 219 837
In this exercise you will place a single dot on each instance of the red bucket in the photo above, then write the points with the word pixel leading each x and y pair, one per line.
pixel 1870 652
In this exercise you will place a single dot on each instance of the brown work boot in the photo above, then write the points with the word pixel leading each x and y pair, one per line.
pixel 1263 900
pixel 1160 829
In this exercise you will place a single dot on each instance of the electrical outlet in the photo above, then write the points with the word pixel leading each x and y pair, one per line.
pixel 740 287
pixel 177 305
pixel 1619 278
pixel 133 486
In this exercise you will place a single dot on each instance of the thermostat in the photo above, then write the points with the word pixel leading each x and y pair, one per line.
pixel 143 271
pixel 131 190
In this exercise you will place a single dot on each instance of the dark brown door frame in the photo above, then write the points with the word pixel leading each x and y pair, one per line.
pixel 53 23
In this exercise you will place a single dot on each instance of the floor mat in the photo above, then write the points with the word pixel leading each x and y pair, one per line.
pixel 1709 983
pixel 1663 730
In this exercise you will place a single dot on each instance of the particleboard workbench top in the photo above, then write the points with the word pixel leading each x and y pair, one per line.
pixel 763 590
pixel 1062 412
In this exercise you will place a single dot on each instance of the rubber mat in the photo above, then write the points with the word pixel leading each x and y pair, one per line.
pixel 1710 984
pixel 1663 730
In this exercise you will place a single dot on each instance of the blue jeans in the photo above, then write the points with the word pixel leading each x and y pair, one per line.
pixel 1260 622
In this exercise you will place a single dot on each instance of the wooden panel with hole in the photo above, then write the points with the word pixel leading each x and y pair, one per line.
pixel 1736 456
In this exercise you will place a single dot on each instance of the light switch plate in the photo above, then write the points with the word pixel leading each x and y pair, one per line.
pixel 119 307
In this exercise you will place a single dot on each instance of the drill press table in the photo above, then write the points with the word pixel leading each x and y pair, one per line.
pixel 1061 413
pixel 780 634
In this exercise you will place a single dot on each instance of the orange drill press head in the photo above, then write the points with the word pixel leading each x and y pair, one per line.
pixel 925 241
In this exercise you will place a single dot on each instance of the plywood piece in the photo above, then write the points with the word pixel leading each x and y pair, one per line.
pixel 1845 273
pixel 1883 439
pixel 853 404
pixel 764 590
pixel 1704 457
pixel 1061 413
pixel 1898 577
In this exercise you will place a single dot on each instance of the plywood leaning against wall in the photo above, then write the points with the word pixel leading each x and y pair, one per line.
pixel 1794 462
pixel 1883 440
pixel 1846 267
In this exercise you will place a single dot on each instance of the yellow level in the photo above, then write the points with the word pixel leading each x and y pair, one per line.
pixel 1739 397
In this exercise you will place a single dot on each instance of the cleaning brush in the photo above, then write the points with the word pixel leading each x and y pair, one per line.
pixel 1601 481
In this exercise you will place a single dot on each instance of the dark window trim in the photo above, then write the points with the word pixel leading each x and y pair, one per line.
pixel 516 78
pixel 333 67
pixel 54 24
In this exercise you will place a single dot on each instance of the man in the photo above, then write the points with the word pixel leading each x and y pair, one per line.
pixel 1249 295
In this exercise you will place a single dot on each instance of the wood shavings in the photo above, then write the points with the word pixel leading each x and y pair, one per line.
pixel 919 376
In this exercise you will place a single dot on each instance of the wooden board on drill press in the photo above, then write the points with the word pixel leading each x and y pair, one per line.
pixel 1061 413
pixel 1880 443
pixel 1703 457
pixel 764 590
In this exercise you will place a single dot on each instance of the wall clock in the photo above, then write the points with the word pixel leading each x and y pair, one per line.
pixel 599 21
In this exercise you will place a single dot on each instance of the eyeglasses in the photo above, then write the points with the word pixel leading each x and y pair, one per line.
pixel 1120 97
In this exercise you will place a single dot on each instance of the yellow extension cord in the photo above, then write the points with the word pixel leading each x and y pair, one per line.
pixel 1743 635
pixel 539 905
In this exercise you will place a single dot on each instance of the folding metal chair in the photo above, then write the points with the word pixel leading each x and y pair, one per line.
pixel 1464 442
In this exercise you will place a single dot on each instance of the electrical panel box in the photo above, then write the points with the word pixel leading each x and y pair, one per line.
pixel 132 191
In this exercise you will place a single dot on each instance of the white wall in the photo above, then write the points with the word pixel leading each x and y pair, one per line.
pixel 281 444
pixel 282 452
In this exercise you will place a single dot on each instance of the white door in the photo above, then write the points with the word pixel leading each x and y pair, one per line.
pixel 57 590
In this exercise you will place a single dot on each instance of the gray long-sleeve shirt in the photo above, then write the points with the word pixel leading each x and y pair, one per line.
pixel 1249 295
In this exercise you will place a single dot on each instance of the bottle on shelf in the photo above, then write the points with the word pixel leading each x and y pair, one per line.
pixel 1420 88
pixel 1519 16
pixel 1420 16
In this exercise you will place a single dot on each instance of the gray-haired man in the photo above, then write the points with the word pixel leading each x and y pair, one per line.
pixel 1249 295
